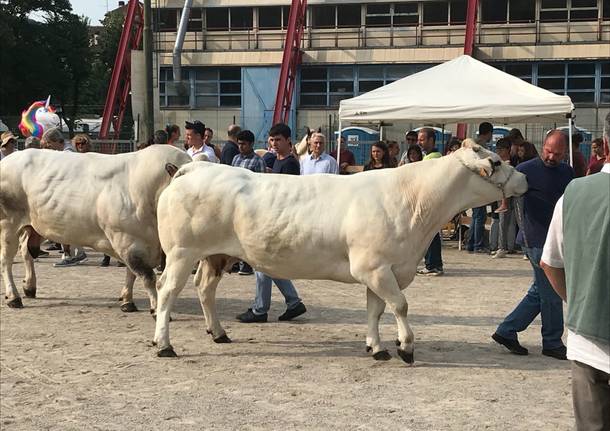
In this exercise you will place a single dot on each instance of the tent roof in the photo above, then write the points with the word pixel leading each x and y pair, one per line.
pixel 463 89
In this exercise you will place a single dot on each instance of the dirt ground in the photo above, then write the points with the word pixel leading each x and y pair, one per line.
pixel 71 360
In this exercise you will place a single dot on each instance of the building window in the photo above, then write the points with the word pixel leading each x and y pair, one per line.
pixel 217 19
pixel 520 70
pixel 378 15
pixel 349 15
pixel 241 18
pixel 604 98
pixel 436 13
pixel 273 17
pixel 521 11
pixel 195 22
pixel 165 19
pixel 553 10
pixel 406 14
pixel 606 11
pixel 211 87
pixel 170 94
pixel 583 10
pixel 581 82
pixel 314 86
pixel 494 11
pixel 457 12
pixel 323 16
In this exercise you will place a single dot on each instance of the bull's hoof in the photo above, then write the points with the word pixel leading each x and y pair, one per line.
pixel 382 355
pixel 15 303
pixel 153 342
pixel 129 307
pixel 397 342
pixel 223 339
pixel 368 349
pixel 29 293
pixel 168 352
pixel 405 356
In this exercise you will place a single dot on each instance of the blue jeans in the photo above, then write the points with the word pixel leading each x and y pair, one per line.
pixel 477 228
pixel 540 299
pixel 434 259
pixel 262 302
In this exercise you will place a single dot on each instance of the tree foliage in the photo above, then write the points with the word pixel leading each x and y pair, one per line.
pixel 53 54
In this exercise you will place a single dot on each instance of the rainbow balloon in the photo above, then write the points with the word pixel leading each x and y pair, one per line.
pixel 38 118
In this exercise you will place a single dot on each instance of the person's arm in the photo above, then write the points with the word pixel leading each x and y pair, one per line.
pixel 557 278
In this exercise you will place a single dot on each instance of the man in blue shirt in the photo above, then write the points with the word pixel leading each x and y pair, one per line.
pixel 285 163
pixel 547 178
pixel 318 162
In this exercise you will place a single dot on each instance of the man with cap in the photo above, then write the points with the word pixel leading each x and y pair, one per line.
pixel 8 144
pixel 194 138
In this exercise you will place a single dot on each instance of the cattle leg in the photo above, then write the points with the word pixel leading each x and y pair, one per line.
pixel 210 272
pixel 150 284
pixel 383 283
pixel 127 304
pixel 9 244
pixel 177 270
pixel 29 252
pixel 374 309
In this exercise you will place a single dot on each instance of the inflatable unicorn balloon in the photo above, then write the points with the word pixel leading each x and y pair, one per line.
pixel 38 118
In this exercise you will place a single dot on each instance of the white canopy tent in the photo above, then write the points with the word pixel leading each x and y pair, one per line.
pixel 460 90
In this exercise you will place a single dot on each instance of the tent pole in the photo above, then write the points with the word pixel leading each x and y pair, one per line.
pixel 339 146
pixel 570 140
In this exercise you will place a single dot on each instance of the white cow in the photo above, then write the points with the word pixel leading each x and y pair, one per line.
pixel 107 202
pixel 372 228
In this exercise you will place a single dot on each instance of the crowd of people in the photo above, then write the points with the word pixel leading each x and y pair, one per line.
pixel 531 224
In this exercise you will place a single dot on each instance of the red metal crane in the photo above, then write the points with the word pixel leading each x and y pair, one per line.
pixel 290 61
pixel 120 83
pixel 471 28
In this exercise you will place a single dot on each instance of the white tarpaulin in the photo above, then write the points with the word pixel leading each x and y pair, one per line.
pixel 460 90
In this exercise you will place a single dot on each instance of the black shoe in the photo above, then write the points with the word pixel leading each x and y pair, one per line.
pixel 293 312
pixel 54 247
pixel 558 353
pixel 512 345
pixel 105 261
pixel 234 268
pixel 43 253
pixel 250 317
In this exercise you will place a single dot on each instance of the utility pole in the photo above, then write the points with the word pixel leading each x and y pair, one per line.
pixel 148 72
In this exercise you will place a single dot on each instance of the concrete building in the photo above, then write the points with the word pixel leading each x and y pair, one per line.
pixel 233 49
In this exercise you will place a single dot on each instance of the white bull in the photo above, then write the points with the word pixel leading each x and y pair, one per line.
pixel 107 202
pixel 372 228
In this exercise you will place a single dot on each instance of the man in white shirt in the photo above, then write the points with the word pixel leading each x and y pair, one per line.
pixel 318 162
pixel 194 139
pixel 575 259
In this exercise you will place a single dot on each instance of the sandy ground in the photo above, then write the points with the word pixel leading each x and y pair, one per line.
pixel 71 360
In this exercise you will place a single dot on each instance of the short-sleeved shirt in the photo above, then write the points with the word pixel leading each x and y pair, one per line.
pixel 545 187
pixel 208 151
pixel 269 159
pixel 288 165
pixel 252 161
pixel 595 165
pixel 324 164
pixel 229 151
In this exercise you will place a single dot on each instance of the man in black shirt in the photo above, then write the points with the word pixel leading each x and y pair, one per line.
pixel 230 148
pixel 285 163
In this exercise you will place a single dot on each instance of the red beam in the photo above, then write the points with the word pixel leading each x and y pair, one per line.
pixel 120 82
pixel 291 59
pixel 471 28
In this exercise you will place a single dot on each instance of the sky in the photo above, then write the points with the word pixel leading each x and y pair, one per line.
pixel 93 9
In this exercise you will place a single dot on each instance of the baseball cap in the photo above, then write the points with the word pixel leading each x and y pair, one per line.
pixel 7 137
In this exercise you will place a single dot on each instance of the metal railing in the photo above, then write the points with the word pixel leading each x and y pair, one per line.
pixel 535 32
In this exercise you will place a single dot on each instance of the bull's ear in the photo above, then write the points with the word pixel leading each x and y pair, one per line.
pixel 171 169
pixel 469 143
pixel 485 167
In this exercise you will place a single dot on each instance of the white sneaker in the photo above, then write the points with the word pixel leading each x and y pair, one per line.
pixel 499 254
